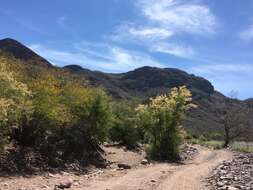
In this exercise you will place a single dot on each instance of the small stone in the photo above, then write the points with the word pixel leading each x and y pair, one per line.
pixel 119 169
pixel 76 183
pixel 64 184
pixel 124 166
pixel 51 175
pixel 231 188
pixel 220 184
pixel 144 162
pixel 65 173
pixel 45 187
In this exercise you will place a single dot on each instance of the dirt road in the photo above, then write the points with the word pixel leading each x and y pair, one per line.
pixel 187 176
pixel 166 176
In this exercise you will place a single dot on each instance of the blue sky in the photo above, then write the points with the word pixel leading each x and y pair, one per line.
pixel 209 38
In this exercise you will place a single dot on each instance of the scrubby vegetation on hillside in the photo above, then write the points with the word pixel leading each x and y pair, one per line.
pixel 58 115
pixel 14 101
pixel 51 112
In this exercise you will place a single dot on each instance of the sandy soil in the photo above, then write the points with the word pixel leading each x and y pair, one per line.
pixel 157 176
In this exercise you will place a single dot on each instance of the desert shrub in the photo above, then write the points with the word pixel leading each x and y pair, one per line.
pixel 90 107
pixel 14 101
pixel 188 137
pixel 91 115
pixel 49 113
pixel 162 119
pixel 123 128
pixel 202 138
pixel 66 116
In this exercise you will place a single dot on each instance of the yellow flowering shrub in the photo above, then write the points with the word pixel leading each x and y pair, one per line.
pixel 161 119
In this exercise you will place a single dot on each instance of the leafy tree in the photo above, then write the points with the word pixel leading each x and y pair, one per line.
pixel 161 119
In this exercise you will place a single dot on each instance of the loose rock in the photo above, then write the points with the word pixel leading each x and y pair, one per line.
pixel 144 162
pixel 124 166
pixel 64 184
pixel 236 174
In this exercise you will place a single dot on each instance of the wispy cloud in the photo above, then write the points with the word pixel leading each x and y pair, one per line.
pixel 180 16
pixel 139 34
pixel 247 34
pixel 153 33
pixel 174 49
pixel 107 58
pixel 162 21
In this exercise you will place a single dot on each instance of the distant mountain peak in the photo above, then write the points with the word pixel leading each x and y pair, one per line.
pixel 9 40
pixel 20 51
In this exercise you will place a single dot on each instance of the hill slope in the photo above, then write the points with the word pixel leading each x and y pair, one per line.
pixel 141 83
pixel 22 52
pixel 146 82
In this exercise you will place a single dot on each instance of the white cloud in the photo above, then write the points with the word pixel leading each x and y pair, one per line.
pixel 138 34
pixel 151 33
pixel 174 49
pixel 179 16
pixel 109 59
pixel 247 34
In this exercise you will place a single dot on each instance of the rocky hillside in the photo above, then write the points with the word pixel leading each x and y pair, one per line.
pixel 141 84
pixel 146 82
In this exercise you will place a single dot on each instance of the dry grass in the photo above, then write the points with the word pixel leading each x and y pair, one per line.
pixel 240 146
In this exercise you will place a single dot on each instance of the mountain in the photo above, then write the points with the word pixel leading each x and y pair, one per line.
pixel 141 83
pixel 19 51
pixel 145 81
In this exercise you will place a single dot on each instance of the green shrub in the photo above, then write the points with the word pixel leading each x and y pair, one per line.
pixel 14 101
pixel 161 119
pixel 202 138
pixel 125 133
pixel 124 129
pixel 62 115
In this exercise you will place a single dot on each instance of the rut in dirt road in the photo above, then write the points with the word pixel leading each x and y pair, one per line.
pixel 188 176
